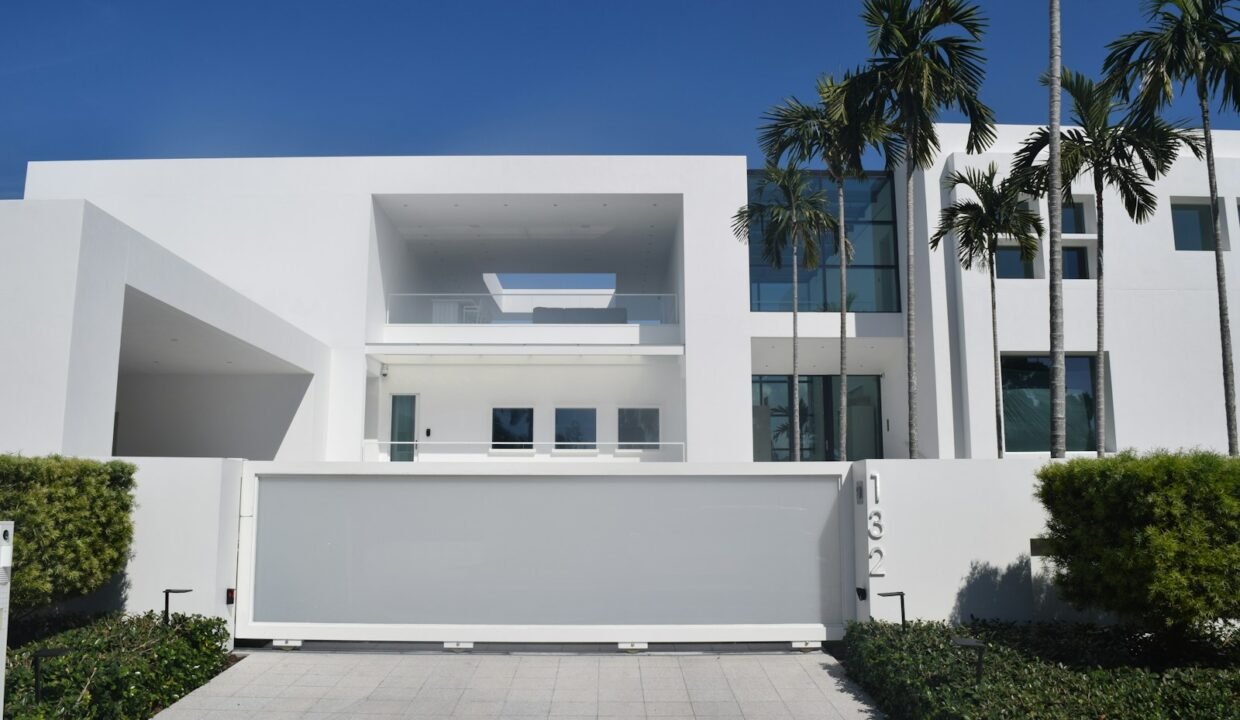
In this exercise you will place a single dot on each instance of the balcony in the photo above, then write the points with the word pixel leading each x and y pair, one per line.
pixel 458 272
pixel 532 308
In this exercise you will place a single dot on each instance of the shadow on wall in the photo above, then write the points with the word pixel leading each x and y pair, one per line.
pixel 34 626
pixel 1021 592
pixel 197 415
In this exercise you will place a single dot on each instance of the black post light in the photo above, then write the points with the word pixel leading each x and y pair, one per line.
pixel 900 594
pixel 39 655
pixel 967 642
pixel 172 591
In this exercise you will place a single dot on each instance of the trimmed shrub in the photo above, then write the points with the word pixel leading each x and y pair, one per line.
pixel 1154 539
pixel 74 525
pixel 119 667
pixel 1032 671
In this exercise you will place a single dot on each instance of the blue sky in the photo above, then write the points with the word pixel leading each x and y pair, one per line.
pixel 84 80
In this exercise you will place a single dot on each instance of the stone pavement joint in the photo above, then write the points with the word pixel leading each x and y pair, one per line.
pixel 322 685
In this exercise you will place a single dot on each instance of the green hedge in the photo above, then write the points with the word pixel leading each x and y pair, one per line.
pixel 74 525
pixel 1154 539
pixel 119 667
pixel 1053 672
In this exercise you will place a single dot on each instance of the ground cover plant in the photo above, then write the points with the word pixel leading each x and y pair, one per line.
pixel 1046 671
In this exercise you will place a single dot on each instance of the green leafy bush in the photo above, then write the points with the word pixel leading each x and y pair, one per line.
pixel 1154 539
pixel 119 667
pixel 1053 672
pixel 74 525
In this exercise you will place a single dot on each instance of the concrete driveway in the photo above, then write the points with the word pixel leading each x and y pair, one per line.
pixel 775 686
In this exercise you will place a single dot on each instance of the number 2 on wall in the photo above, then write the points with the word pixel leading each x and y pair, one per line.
pixel 876 562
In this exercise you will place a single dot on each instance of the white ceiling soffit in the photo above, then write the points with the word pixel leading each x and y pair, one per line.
pixel 531 217
pixel 157 338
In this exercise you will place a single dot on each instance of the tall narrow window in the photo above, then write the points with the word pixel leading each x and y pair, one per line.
pixel 403 418
pixel 512 428
pixel 576 429
pixel 639 428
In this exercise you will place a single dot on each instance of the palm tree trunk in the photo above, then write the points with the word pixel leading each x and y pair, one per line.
pixel 1224 318
pixel 994 335
pixel 1100 364
pixel 1059 433
pixel 910 310
pixel 842 251
pixel 796 378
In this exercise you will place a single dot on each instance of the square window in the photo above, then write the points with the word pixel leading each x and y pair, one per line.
pixel 1010 265
pixel 1074 218
pixel 1027 406
pixel 1193 226
pixel 576 429
pixel 1075 263
pixel 639 428
pixel 512 428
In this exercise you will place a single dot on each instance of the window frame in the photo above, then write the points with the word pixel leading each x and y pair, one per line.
pixel 641 447
pixel 1207 237
pixel 514 449
pixel 576 447
pixel 816 281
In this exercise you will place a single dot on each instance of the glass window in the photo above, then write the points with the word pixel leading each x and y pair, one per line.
pixel 772 420
pixel 1010 265
pixel 1193 226
pixel 1075 263
pixel 1027 402
pixel 873 279
pixel 639 428
pixel 576 429
pixel 512 428
pixel 1074 218
pixel 402 447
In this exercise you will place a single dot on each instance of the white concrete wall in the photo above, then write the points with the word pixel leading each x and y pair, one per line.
pixel 303 238
pixel 62 312
pixel 1165 369
pixel 248 416
pixel 953 534
pixel 186 515
pixel 455 402
pixel 300 235
pixel 38 282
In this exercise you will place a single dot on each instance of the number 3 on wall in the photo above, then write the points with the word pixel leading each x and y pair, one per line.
pixel 876 562
pixel 874 524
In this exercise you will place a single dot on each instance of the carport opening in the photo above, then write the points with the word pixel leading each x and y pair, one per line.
pixel 185 388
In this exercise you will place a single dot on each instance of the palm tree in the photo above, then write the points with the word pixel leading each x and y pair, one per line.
pixel 998 212
pixel 926 59
pixel 837 136
pixel 1059 417
pixel 1196 44
pixel 789 214
pixel 1125 155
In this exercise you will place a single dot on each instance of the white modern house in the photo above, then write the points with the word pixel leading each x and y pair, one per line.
pixel 496 353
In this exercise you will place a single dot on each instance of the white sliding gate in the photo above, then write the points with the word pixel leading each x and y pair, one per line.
pixel 557 553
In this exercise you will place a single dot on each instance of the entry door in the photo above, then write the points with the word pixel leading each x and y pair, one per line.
pixel 404 416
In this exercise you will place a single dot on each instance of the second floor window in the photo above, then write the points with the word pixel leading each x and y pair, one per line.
pixel 1193 226
pixel 873 272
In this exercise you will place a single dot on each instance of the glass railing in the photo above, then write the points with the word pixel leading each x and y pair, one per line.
pixel 534 307
pixel 407 451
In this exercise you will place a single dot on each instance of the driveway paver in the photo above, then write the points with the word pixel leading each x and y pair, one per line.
pixel 314 685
